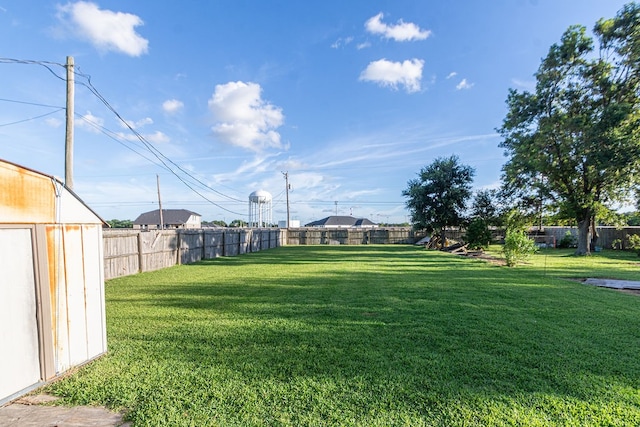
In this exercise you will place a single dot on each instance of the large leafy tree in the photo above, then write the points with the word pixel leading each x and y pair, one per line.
pixel 437 198
pixel 485 206
pixel 576 139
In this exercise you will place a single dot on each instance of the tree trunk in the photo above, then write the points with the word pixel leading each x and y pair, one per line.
pixel 584 236
pixel 443 238
pixel 594 234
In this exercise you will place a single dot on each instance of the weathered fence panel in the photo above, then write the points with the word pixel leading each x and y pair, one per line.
pixel 231 245
pixel 213 241
pixel 121 254
pixel 351 236
pixel 606 235
pixel 158 249
pixel 191 246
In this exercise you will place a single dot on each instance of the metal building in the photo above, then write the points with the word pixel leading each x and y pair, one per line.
pixel 260 209
pixel 52 307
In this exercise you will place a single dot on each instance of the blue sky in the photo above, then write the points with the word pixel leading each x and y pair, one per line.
pixel 351 98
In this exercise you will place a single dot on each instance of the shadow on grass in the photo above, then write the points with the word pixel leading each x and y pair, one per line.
pixel 354 331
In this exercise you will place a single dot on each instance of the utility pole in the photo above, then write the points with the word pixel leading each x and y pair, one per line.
pixel 160 202
pixel 68 149
pixel 336 202
pixel 286 180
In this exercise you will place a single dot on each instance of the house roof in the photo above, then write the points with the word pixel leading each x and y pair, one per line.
pixel 340 221
pixel 169 216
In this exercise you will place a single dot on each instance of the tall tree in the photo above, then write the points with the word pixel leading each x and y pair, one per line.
pixel 576 140
pixel 485 206
pixel 436 200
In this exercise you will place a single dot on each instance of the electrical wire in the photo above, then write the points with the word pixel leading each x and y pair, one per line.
pixel 164 161
pixel 31 118
pixel 31 103
pixel 117 138
pixel 46 64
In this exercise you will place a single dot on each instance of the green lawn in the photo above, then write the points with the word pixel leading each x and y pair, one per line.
pixel 370 336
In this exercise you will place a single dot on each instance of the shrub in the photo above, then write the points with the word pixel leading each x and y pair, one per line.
pixel 478 234
pixel 568 241
pixel 616 244
pixel 634 242
pixel 517 247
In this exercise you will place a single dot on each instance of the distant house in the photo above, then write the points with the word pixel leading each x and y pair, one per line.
pixel 172 219
pixel 338 221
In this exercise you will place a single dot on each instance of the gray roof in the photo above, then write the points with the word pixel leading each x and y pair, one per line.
pixel 340 221
pixel 169 216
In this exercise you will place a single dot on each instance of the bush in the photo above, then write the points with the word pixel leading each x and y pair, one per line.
pixel 568 241
pixel 478 234
pixel 616 244
pixel 517 247
pixel 634 242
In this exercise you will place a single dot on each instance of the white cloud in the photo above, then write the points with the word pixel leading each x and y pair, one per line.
pixel 392 74
pixel 105 29
pixel 401 32
pixel 363 45
pixel 451 75
pixel 172 106
pixel 156 137
pixel 243 118
pixel 90 122
pixel 341 42
pixel 464 84
pixel 53 122
pixel 137 124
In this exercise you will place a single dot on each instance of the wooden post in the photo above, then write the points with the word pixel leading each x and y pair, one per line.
pixel 160 203
pixel 140 254
pixel 179 247
pixel 224 244
pixel 68 149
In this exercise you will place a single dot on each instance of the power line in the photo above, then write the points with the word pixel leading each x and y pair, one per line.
pixel 46 64
pixel 165 161
pixel 156 153
pixel 31 118
pixel 31 103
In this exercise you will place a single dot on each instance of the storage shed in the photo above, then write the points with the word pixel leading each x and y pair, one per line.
pixel 52 307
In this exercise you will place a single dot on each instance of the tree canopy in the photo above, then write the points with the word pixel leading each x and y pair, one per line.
pixel 120 223
pixel 437 198
pixel 576 139
pixel 238 223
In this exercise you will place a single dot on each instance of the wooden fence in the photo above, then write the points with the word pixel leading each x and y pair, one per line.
pixel 607 236
pixel 350 236
pixel 128 251
pixel 133 251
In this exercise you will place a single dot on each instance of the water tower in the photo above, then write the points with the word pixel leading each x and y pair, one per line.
pixel 260 209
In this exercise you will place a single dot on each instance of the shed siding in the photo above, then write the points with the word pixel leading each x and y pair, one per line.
pixel 19 360
pixel 77 303
pixel 27 197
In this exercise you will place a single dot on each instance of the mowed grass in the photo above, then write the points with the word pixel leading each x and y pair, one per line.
pixel 370 336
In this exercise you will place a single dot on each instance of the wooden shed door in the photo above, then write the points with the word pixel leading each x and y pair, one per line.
pixel 19 356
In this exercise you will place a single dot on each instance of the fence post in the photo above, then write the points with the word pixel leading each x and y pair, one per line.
pixel 204 244
pixel 140 256
pixel 178 247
